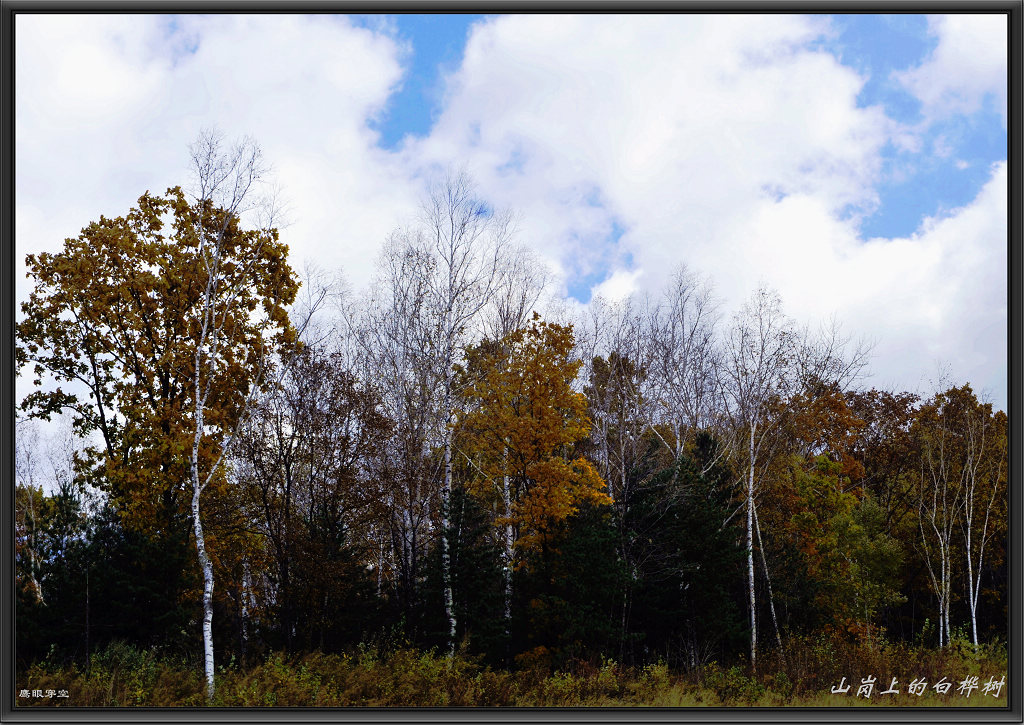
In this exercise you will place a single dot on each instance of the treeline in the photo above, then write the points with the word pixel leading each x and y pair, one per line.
pixel 436 464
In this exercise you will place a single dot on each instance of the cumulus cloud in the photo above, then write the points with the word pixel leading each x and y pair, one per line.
pixel 111 115
pixel 734 144
pixel 968 65
pixel 106 105
pixel 738 146
pixel 938 296
pixel 675 127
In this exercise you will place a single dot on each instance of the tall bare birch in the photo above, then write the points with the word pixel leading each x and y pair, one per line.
pixel 246 284
pixel 760 351
pixel 441 274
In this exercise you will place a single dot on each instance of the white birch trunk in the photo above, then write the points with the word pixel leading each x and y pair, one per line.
pixel 771 595
pixel 507 569
pixel 207 567
pixel 971 597
pixel 446 564
pixel 750 555
pixel 197 523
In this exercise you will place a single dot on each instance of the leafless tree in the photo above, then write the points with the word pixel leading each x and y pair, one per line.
pixel 684 358
pixel 234 326
pixel 759 371
pixel 521 280
pixel 962 472
pixel 465 240
pixel 616 359
pixel 829 357
pixel 985 448
pixel 438 277
pixel 392 335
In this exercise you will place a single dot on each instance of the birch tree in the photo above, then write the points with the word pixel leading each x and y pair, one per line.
pixel 758 372
pixel 683 358
pixel 522 279
pixel 164 321
pixel 939 505
pixel 961 488
pixel 391 331
pixel 245 285
pixel 465 239
pixel 615 357
pixel 438 277
pixel 985 498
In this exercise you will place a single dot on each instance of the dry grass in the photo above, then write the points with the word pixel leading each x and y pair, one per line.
pixel 123 676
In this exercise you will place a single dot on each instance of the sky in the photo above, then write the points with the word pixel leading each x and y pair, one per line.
pixel 857 164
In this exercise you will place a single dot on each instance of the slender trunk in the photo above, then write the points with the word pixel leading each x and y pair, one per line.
pixel 246 588
pixel 286 606
pixel 945 592
pixel 750 556
pixel 771 595
pixel 380 567
pixel 622 467
pixel 207 567
pixel 206 337
pixel 947 602
pixel 33 561
pixel 974 623
pixel 507 569
pixel 446 564
pixel 971 598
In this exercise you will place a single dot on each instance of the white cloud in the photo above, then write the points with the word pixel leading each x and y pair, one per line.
pixel 678 127
pixel 727 143
pixel 619 285
pixel 731 143
pixel 111 115
pixel 968 64
pixel 106 105
pixel 938 296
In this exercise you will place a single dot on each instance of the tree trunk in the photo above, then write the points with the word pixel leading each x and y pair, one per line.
pixel 207 567
pixel 972 598
pixel 246 589
pixel 507 569
pixel 750 556
pixel 771 595
pixel 446 562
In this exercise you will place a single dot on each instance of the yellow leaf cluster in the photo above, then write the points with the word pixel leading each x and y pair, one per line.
pixel 521 421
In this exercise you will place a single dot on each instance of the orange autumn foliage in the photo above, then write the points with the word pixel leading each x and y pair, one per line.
pixel 521 421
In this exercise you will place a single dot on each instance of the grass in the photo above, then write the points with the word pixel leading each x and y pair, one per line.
pixel 123 676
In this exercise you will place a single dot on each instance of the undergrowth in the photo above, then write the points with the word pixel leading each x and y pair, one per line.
pixel 803 675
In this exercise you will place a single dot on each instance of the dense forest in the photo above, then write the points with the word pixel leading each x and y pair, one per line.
pixel 451 462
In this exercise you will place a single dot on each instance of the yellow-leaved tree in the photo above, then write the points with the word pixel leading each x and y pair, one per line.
pixel 165 323
pixel 519 425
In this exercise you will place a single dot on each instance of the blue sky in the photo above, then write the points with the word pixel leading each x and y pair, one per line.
pixel 915 185
pixel 911 187
pixel 855 163
pixel 436 42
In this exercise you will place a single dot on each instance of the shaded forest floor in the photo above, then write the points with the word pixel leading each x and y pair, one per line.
pixel 123 676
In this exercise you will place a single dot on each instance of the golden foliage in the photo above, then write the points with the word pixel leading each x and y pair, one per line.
pixel 521 422
pixel 117 313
